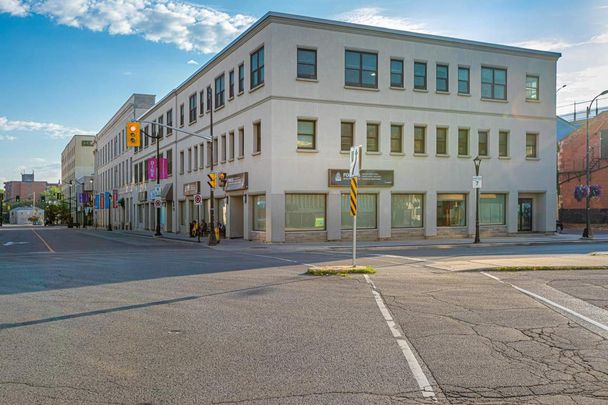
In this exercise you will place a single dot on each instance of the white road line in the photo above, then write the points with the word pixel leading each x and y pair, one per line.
pixel 414 365
pixel 551 303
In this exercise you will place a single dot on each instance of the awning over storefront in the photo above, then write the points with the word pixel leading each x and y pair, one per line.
pixel 167 192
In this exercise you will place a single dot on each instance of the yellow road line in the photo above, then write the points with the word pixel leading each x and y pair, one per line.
pixel 43 241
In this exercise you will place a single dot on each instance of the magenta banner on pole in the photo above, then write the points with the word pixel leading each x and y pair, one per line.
pixel 152 169
pixel 114 198
pixel 163 169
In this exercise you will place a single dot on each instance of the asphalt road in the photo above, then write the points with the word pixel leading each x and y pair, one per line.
pixel 100 317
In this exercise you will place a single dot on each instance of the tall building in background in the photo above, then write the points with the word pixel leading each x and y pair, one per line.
pixel 77 160
pixel 25 189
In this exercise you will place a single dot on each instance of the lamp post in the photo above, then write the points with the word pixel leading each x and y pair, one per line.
pixel 1 208
pixel 110 210
pixel 70 204
pixel 477 162
pixel 557 91
pixel 589 234
pixel 212 239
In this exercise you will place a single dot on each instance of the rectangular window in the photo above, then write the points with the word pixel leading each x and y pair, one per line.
pixel 209 98
pixel 373 137
pixel 209 153
pixel 259 212
pixel 195 156
pixel 257 137
pixel 532 87
pixel 304 212
pixel 169 122
pixel 451 210
pixel 216 153
pixel 492 209
pixel 347 132
pixel 189 160
pixel 192 108
pixel 361 69
pixel 241 78
pixel 366 211
pixel 531 150
pixel 219 91
pixel 160 127
pixel 181 162
pixel 463 142
pixel 152 140
pixel 201 159
pixel 241 142
pixel 306 134
pixel 420 75
pixel 503 144
pixel 257 68
pixel 307 63
pixel 482 144
pixel 396 138
pixel 603 144
pixel 136 179
pixel 231 84
pixel 397 73
pixel 146 138
pixel 442 141
pixel 169 155
pixel 407 210
pixel 223 148
pixel 231 146
pixel 442 78
pixel 201 102
pixel 419 140
pixel 464 80
pixel 181 115
pixel 493 83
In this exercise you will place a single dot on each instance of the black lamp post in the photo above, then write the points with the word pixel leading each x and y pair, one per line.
pixel 1 208
pixel 589 234
pixel 477 162
pixel 70 204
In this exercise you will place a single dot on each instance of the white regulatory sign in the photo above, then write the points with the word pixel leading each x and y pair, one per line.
pixel 198 199
pixel 476 181
pixel 158 203
pixel 355 161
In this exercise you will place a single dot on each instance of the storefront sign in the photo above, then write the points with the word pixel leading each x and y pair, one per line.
pixel 236 182
pixel 192 188
pixel 367 178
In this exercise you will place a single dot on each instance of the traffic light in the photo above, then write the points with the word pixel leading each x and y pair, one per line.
pixel 133 134
pixel 212 180
pixel 17 198
pixel 222 179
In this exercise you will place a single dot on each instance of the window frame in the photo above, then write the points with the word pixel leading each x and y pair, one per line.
pixel 182 113
pixel 487 142
pixel 314 134
pixel 241 78
pixel 192 108
pixel 426 74
pixel 468 81
pixel 288 229
pixel 507 135
pixel 535 146
pixel 231 84
pixel 401 83
pixel 467 143
pixel 400 138
pixel 445 141
pixel 417 141
pixel 360 69
pixel 241 132
pixel 421 207
pixel 352 135
pixel 257 137
pixel 256 76
pixel 220 91
pixel 537 88
pixel 298 63
pixel 367 137
pixel 446 78
pixel 201 102
pixel 493 83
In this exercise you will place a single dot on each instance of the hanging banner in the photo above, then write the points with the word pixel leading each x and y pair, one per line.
pixel 114 198
pixel 102 201
pixel 151 163
pixel 96 201
pixel 163 168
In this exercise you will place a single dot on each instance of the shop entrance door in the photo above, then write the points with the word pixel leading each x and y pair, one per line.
pixel 525 215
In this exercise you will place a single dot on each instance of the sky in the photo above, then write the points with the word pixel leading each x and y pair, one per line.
pixel 66 66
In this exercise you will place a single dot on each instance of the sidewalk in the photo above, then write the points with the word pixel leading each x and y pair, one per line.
pixel 231 244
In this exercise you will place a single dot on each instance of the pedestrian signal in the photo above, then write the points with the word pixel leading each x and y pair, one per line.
pixel 133 134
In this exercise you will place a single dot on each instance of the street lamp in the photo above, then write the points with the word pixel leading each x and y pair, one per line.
pixel 557 91
pixel 70 204
pixel 589 234
pixel 477 162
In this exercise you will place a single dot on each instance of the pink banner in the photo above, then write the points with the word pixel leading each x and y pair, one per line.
pixel 114 198
pixel 103 200
pixel 163 168
pixel 152 169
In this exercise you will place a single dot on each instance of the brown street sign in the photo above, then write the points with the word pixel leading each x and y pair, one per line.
pixel 368 178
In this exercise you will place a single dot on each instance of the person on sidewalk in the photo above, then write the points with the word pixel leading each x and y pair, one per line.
pixel 195 229
pixel 192 229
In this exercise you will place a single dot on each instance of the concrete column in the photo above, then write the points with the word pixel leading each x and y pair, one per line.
pixel 550 202
pixel 471 212
pixel 384 214
pixel 334 217
pixel 512 211
pixel 246 217
pixel 275 217
pixel 430 214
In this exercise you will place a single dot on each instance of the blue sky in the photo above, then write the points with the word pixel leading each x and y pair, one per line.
pixel 67 65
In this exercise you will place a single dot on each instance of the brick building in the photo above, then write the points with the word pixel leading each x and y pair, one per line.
pixel 572 168
pixel 24 189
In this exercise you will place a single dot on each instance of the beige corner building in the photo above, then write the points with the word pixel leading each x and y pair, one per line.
pixel 77 160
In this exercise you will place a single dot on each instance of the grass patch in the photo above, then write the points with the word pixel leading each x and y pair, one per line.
pixel 339 270
pixel 541 268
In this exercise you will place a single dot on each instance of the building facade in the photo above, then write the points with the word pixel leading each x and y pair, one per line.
pixel 76 161
pixel 572 171
pixel 24 190
pixel 292 94
pixel 114 162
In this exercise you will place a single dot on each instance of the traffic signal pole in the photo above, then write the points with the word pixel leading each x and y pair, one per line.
pixel 212 239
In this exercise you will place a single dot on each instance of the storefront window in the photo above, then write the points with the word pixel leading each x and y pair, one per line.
pixel 451 210
pixel 407 210
pixel 366 211
pixel 492 209
pixel 304 212
pixel 259 212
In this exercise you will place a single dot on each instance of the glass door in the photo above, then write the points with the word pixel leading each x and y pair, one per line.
pixel 525 215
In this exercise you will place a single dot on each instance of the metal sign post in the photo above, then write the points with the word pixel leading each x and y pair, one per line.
pixel 354 173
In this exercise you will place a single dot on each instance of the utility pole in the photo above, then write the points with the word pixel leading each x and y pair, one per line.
pixel 157 233
pixel 212 239
pixel 1 208
pixel 70 204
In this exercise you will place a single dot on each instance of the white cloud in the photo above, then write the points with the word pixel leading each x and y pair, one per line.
pixel 54 130
pixel 374 16
pixel 546 44
pixel 192 62
pixel 7 138
pixel 188 26
pixel 13 7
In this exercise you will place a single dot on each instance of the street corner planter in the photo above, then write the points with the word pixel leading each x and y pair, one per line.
pixel 342 271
